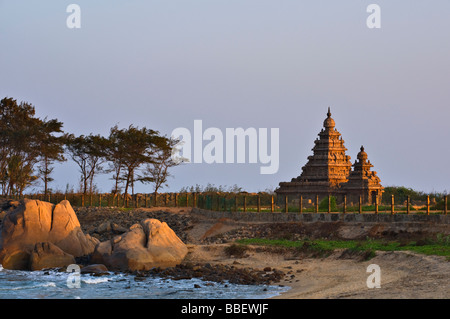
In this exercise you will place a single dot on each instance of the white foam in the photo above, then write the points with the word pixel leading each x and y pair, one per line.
pixel 48 284
pixel 95 280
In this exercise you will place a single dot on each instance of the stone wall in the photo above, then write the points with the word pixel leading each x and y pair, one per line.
pixel 333 217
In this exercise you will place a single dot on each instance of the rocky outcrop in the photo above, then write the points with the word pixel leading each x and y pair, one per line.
pixel 33 222
pixel 146 245
pixel 105 223
pixel 48 255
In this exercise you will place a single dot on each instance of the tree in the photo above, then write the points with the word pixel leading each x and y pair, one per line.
pixel 115 154
pixel 88 152
pixel 52 150
pixel 157 171
pixel 140 144
pixel 20 145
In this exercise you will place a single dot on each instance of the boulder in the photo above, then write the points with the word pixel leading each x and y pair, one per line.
pixel 117 229
pixel 33 222
pixel 48 255
pixel 95 269
pixel 146 245
pixel 103 227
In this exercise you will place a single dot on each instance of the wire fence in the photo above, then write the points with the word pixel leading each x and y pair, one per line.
pixel 251 202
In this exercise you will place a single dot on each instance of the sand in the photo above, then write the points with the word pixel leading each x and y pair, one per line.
pixel 403 274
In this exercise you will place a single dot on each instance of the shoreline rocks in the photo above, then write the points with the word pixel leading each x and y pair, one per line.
pixel 48 255
pixel 104 223
pixel 146 245
pixel 95 269
pixel 32 222
pixel 216 273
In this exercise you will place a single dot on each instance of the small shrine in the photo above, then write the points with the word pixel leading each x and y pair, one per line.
pixel 363 182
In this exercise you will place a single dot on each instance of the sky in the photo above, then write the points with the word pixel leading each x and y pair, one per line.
pixel 248 63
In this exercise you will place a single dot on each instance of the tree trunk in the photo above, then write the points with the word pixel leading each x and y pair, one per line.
pixel 126 187
pixel 45 176
pixel 156 196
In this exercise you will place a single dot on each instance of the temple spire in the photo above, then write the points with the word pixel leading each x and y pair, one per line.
pixel 329 113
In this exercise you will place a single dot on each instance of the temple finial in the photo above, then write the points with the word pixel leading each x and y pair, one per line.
pixel 362 148
pixel 329 113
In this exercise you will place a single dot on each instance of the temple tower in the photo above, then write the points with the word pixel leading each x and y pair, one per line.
pixel 329 171
pixel 326 169
pixel 329 163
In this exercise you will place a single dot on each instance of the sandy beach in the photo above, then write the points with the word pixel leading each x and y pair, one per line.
pixel 403 274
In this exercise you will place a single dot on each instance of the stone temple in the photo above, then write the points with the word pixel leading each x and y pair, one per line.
pixel 329 171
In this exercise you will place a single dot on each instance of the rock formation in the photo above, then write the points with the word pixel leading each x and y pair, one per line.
pixel 48 255
pixel 146 245
pixel 34 222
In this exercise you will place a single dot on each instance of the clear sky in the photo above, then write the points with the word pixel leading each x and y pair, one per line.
pixel 247 63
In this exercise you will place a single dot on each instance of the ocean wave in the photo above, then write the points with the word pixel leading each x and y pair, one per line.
pixel 95 280
pixel 44 285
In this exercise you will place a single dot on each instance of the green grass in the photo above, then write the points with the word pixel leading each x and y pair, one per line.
pixel 439 246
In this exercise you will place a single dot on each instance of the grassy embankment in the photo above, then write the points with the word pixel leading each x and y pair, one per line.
pixel 439 246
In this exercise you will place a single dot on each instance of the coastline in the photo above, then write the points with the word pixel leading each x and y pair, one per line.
pixel 403 274
pixel 336 275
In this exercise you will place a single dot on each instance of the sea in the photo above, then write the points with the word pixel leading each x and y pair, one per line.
pixel 51 284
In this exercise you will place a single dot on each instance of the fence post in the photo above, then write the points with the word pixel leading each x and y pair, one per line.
pixel 317 204
pixel 187 199
pixel 176 199
pixel 300 203
pixel 428 204
pixel 445 204
pixel 225 203
pixel 344 208
pixel 99 200
pixel 392 205
pixel 236 203
pixel 360 204
pixel 194 204
pixel 271 205
pixel 329 203
pixel 408 199
pixel 245 203
pixel 259 203
pixel 286 208
pixel 376 205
